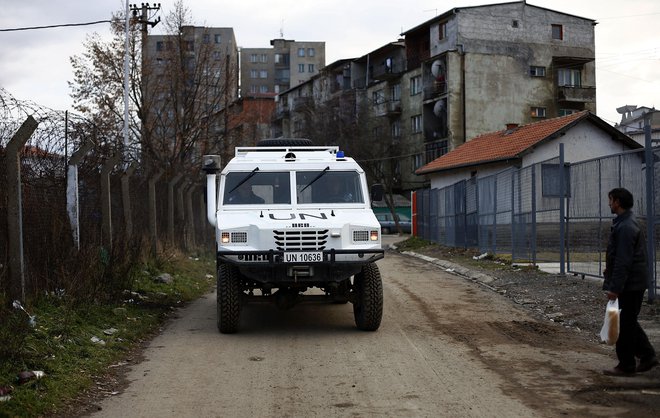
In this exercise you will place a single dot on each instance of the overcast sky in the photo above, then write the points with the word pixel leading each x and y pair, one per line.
pixel 34 64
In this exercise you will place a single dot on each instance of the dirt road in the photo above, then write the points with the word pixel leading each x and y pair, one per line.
pixel 446 347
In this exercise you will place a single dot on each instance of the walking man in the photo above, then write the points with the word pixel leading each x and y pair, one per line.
pixel 626 279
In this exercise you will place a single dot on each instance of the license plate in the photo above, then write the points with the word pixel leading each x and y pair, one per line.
pixel 312 257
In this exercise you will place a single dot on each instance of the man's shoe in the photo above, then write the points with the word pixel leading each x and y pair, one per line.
pixel 618 371
pixel 645 366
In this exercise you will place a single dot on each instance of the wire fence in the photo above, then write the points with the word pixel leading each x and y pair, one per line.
pixel 74 216
pixel 519 212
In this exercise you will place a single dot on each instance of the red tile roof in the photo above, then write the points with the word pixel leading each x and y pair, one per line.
pixel 511 144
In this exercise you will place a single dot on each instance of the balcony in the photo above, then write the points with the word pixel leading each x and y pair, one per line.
pixel 299 103
pixel 281 113
pixel 393 108
pixel 389 70
pixel 437 89
pixel 576 94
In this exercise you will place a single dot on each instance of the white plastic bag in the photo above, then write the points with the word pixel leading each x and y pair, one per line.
pixel 610 331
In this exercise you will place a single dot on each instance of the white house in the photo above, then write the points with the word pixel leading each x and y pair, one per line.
pixel 584 135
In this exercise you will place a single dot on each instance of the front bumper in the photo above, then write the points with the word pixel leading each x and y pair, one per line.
pixel 274 258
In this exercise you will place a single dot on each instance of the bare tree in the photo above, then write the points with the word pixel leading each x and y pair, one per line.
pixel 175 91
pixel 187 83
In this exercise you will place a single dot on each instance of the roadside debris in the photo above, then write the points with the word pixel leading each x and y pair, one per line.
pixel 24 377
pixel 32 319
pixel 97 340
pixel 164 278
pixel 110 331
pixel 4 393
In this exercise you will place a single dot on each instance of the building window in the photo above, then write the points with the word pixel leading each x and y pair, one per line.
pixel 263 89
pixel 311 52
pixel 569 77
pixel 395 129
pixel 416 124
pixel 566 112
pixel 206 38
pixel 253 88
pixel 217 38
pixel 254 74
pixel 514 23
pixel 253 58
pixel 310 68
pixel 301 52
pixel 159 46
pixel 538 112
pixel 557 32
pixel 535 71
pixel 264 58
pixel 442 30
pixel 301 68
pixel 216 55
pixel 377 97
pixel 415 85
pixel 418 161
pixel 395 92
pixel 263 74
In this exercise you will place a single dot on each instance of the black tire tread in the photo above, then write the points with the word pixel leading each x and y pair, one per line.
pixel 285 142
pixel 228 299
pixel 368 308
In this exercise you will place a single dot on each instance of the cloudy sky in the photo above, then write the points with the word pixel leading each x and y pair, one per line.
pixel 34 64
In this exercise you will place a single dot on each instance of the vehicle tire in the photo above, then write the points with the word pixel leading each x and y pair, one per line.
pixel 285 142
pixel 228 299
pixel 368 304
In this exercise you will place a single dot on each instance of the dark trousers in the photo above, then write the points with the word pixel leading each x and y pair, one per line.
pixel 632 341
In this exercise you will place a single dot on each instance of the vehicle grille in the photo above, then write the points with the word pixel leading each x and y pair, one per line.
pixel 301 240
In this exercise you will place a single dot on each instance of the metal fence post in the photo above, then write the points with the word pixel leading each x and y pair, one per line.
pixel 72 192
pixel 170 205
pixel 126 198
pixel 15 209
pixel 153 218
pixel 650 215
pixel 106 198
pixel 562 201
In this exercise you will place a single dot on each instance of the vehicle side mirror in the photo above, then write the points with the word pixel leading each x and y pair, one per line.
pixel 377 192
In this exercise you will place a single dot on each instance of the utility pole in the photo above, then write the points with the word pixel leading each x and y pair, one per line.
pixel 141 14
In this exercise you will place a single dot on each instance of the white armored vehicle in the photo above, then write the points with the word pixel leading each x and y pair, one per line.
pixel 294 223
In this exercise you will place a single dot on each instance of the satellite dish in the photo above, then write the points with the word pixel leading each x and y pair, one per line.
pixel 437 68
pixel 439 108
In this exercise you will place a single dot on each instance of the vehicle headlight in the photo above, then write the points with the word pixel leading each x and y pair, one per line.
pixel 235 237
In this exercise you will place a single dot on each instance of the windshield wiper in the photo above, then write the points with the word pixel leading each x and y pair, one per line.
pixel 318 176
pixel 248 177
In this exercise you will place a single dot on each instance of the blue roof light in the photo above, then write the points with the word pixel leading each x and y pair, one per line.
pixel 340 154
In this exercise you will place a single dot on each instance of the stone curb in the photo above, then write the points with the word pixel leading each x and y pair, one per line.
pixel 453 268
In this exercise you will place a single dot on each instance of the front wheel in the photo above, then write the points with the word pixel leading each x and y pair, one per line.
pixel 228 299
pixel 368 304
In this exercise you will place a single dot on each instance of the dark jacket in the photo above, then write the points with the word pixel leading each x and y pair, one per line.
pixel 626 267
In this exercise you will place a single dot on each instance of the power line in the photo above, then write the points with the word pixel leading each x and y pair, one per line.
pixel 55 26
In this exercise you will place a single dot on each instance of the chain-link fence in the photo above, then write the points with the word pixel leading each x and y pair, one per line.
pixel 519 211
pixel 76 217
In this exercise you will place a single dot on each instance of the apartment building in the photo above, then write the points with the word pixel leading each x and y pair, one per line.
pixel 269 71
pixel 187 79
pixel 487 66
pixel 633 122
pixel 466 72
